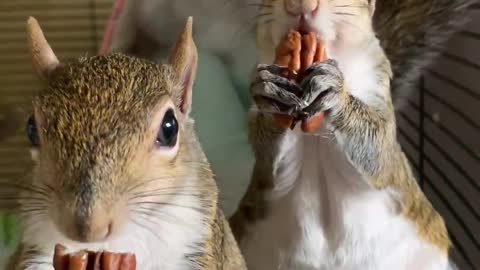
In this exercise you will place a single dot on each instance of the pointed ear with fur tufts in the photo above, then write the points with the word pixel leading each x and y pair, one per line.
pixel 371 7
pixel 42 55
pixel 183 60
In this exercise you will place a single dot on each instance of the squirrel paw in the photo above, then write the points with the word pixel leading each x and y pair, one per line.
pixel 322 87
pixel 273 93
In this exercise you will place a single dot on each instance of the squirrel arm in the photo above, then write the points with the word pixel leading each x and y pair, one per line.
pixel 366 132
pixel 362 120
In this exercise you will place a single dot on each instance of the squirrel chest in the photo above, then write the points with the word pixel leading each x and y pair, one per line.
pixel 326 217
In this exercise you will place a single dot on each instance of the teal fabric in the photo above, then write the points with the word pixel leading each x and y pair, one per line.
pixel 220 101
pixel 219 110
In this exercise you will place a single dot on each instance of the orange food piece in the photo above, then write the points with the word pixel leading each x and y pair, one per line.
pixel 110 261
pixel 311 124
pixel 309 48
pixel 288 53
pixel 298 52
pixel 86 260
pixel 78 261
pixel 283 120
pixel 320 53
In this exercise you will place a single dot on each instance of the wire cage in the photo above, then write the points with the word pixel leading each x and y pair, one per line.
pixel 438 126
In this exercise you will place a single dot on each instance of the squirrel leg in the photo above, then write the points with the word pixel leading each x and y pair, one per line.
pixel 366 132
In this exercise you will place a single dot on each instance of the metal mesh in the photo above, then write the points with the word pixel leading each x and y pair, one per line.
pixel 439 129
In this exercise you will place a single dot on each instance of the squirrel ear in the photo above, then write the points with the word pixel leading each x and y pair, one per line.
pixel 43 57
pixel 184 59
pixel 371 7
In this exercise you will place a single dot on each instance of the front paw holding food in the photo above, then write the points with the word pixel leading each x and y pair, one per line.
pixel 322 88
pixel 273 93
pixel 297 53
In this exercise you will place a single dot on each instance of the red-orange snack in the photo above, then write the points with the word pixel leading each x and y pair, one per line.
pixel 311 124
pixel 320 53
pixel 288 53
pixel 283 120
pixel 309 47
pixel 89 260
pixel 298 52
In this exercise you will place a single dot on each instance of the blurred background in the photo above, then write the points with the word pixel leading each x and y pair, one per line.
pixel 439 127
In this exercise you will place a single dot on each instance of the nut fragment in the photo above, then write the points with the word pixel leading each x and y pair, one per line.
pixel 128 262
pixel 298 52
pixel 309 47
pixel 288 53
pixel 311 124
pixel 60 260
pixel 78 261
pixel 320 53
pixel 283 120
pixel 89 260
pixel 110 261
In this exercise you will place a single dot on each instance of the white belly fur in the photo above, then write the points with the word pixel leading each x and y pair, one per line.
pixel 323 215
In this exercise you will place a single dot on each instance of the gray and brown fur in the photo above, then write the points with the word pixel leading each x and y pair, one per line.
pixel 413 33
pixel 368 133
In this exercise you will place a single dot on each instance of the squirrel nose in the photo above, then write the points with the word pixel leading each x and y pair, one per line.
pixel 88 233
pixel 100 233
pixel 94 225
pixel 301 7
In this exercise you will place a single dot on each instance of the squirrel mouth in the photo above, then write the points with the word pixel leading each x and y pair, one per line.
pixel 304 27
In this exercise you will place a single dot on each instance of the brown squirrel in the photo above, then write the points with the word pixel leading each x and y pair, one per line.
pixel 344 197
pixel 118 166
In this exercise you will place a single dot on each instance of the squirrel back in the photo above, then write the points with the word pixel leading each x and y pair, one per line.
pixel 412 33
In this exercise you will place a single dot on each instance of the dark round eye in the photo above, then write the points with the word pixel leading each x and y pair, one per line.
pixel 167 135
pixel 32 132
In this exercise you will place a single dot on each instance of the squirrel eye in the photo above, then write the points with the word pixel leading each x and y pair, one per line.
pixel 32 132
pixel 167 135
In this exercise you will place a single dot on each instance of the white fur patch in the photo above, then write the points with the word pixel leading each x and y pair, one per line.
pixel 332 219
pixel 360 74
pixel 158 243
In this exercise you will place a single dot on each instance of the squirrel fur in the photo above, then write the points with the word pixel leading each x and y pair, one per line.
pixel 344 197
pixel 413 33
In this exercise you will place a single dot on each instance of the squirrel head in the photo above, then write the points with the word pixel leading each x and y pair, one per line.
pixel 112 138
pixel 336 22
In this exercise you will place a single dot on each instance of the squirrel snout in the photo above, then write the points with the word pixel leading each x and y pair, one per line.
pixel 92 231
pixel 301 7
pixel 92 227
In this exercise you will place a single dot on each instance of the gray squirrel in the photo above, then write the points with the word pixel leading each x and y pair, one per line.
pixel 345 196
pixel 118 166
